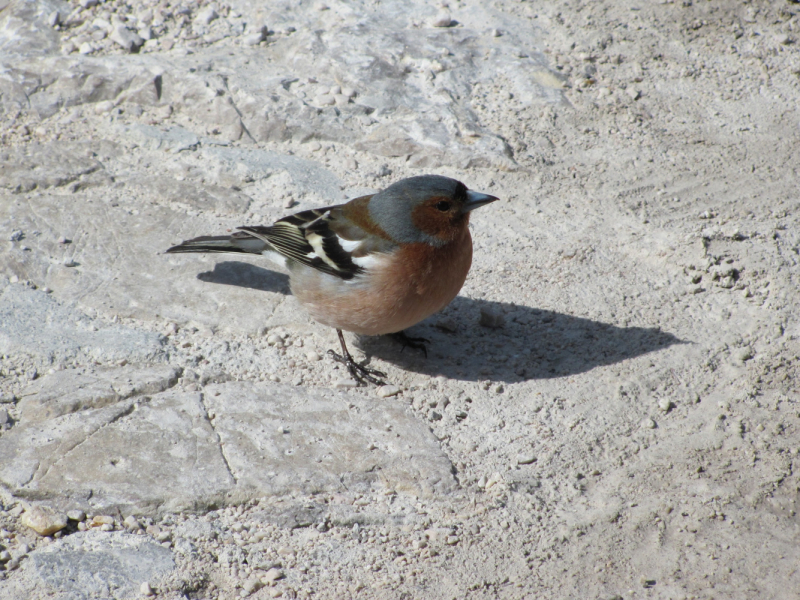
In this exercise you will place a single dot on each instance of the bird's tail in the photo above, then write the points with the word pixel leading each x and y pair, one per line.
pixel 240 242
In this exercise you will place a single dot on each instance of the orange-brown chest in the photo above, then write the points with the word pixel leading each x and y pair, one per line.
pixel 430 275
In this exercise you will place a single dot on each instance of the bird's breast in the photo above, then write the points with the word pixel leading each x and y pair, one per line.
pixel 397 291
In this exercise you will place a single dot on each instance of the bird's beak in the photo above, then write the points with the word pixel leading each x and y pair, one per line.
pixel 476 200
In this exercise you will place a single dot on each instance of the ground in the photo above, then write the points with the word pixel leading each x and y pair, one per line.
pixel 610 407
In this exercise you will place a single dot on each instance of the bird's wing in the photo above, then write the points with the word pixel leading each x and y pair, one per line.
pixel 322 239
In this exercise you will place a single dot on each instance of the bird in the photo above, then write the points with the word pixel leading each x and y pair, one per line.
pixel 375 265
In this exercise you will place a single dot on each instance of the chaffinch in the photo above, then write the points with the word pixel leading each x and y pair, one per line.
pixel 375 265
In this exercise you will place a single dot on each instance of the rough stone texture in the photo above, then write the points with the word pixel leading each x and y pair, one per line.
pixel 67 392
pixel 102 445
pixel 91 565
pixel 277 441
pixel 33 322
pixel 53 165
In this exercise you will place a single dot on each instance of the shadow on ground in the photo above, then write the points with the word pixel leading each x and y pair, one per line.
pixel 242 274
pixel 531 343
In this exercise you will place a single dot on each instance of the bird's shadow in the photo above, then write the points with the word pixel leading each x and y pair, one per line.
pixel 242 274
pixel 515 343
pixel 530 343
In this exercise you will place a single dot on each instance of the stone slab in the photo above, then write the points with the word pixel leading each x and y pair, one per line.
pixel 90 565
pixel 33 322
pixel 278 439
pixel 95 449
pixel 69 391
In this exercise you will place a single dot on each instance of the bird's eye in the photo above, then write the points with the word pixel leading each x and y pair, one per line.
pixel 443 206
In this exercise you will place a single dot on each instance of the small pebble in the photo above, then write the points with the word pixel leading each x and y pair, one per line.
pixel 131 522
pixel 313 356
pixel 443 19
pixel 385 391
pixel 102 520
pixel 255 38
pixel 16 236
pixel 345 383
pixel 665 404
pixel 54 18
pixel 44 520
pixel 163 536
pixel 103 107
pixel 205 16
pixel 438 534
pixel 783 39
pixel 272 576
pixel 434 416
pixel 252 585
pixel 3 416
pixel 325 100
pixel 145 589
pixel 491 319
pixel 526 459
pixel 5 556
pixel 76 515
pixel 124 37
pixel 649 424
pixel 446 324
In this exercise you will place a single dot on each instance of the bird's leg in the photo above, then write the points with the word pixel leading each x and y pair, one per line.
pixel 417 343
pixel 359 372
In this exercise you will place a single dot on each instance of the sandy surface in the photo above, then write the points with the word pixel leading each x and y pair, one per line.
pixel 610 408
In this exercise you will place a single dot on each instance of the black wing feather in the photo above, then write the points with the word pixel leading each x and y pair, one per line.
pixel 290 236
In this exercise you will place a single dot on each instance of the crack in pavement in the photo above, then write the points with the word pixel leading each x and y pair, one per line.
pixel 219 439
pixel 126 411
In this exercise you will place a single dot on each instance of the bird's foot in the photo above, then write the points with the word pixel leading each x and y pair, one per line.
pixel 417 343
pixel 359 372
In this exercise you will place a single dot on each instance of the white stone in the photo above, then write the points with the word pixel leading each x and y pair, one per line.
pixel 272 575
pixel 443 19
pixel 205 16
pixel 129 40
pixel 386 391
pixel 345 383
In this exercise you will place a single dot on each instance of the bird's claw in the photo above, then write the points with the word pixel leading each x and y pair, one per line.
pixel 359 372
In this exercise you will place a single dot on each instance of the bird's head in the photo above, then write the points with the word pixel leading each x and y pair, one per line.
pixel 428 208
